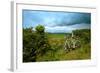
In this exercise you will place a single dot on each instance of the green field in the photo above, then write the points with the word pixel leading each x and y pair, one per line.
pixel 58 52
pixel 56 35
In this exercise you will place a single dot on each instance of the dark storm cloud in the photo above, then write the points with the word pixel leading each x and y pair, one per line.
pixel 75 18
pixel 56 21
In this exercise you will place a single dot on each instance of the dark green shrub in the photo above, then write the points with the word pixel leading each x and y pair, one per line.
pixel 35 43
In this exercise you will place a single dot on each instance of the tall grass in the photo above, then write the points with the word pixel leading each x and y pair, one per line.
pixel 58 53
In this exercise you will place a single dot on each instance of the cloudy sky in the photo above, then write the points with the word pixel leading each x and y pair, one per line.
pixel 56 22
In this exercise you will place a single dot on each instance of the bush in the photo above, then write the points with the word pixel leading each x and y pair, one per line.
pixel 83 34
pixel 40 29
pixel 42 44
pixel 35 43
pixel 28 45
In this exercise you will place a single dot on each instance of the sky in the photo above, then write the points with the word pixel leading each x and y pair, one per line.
pixel 56 21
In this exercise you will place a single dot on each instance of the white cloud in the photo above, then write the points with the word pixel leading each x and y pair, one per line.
pixel 65 29
pixel 58 29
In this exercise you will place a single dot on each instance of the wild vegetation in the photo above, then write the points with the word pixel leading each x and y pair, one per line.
pixel 40 46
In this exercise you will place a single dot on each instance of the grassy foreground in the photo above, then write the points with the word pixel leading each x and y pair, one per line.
pixel 58 53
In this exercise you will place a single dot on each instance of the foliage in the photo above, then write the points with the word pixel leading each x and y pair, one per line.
pixel 84 34
pixel 39 45
pixel 35 43
pixel 42 44
pixel 29 45
pixel 40 29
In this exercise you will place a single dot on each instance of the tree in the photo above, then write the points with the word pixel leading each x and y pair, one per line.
pixel 40 29
pixel 35 43
pixel 41 41
pixel 29 45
